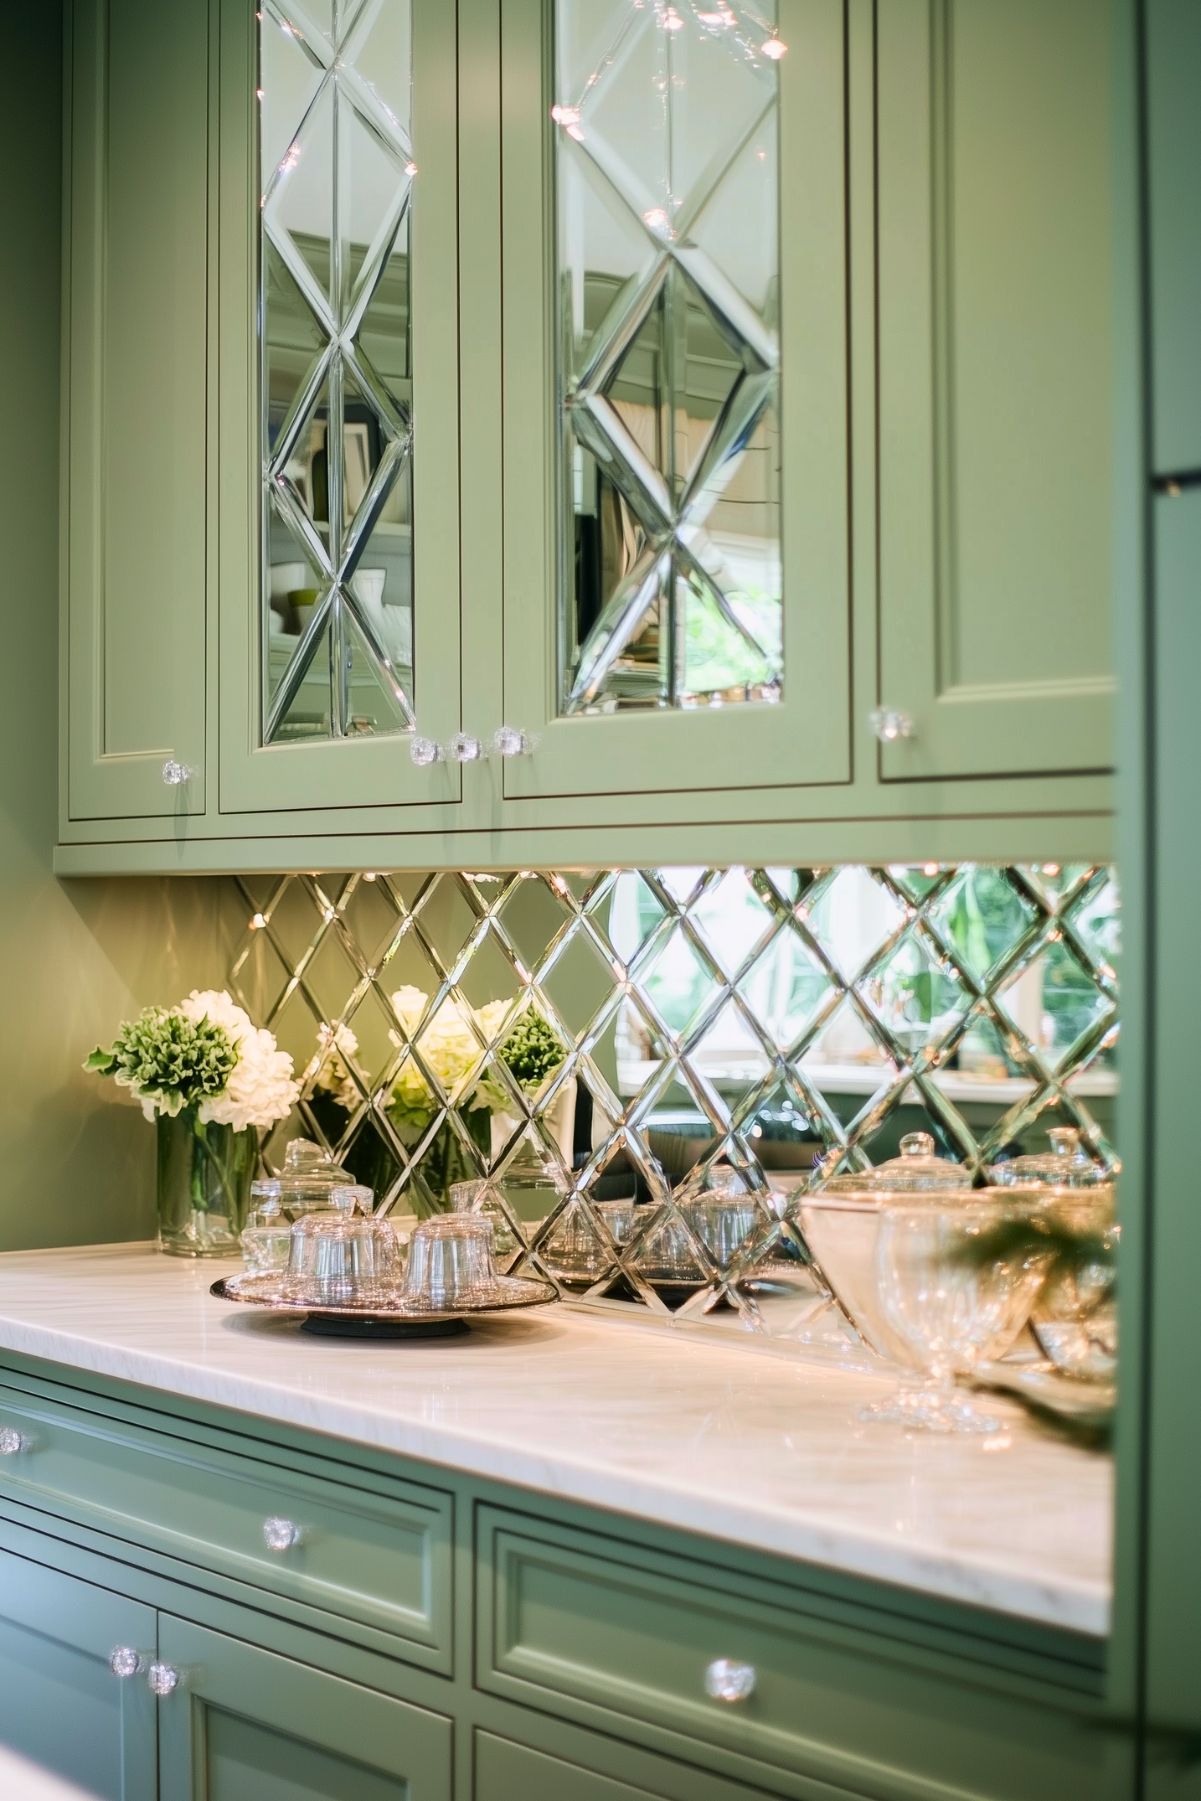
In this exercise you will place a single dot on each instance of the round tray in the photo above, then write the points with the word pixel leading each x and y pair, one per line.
pixel 399 1319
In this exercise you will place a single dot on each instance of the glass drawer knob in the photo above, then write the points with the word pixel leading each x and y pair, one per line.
pixel 175 773
pixel 163 1679
pixel 509 742
pixel 890 725
pixel 463 748
pixel 125 1662
pixel 730 1681
pixel 280 1534
pixel 425 752
pixel 12 1441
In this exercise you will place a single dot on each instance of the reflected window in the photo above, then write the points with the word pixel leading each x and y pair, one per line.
pixel 666 160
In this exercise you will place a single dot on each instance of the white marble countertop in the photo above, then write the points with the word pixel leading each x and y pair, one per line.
pixel 748 1446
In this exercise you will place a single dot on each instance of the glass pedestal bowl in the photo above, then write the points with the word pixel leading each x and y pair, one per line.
pixel 954 1293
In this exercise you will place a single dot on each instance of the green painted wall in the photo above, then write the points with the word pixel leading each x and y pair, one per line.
pixel 74 956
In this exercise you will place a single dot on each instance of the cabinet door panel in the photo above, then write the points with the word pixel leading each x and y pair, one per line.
pixel 1006 457
pixel 60 1704
pixel 653 511
pixel 351 288
pixel 246 1725
pixel 1173 39
pixel 136 405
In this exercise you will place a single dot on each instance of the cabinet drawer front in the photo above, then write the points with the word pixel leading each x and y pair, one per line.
pixel 371 1551
pixel 580 1623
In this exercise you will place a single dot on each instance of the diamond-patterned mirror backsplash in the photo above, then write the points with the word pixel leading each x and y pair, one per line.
pixel 588 1043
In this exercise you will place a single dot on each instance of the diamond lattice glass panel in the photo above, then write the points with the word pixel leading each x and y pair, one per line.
pixel 647 1065
pixel 336 363
pixel 667 245
pixel 301 670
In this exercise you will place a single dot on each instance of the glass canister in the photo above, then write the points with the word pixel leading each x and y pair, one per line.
pixel 304 1185
pixel 918 1170
pixel 309 1182
pixel 841 1222
pixel 1066 1165
pixel 1075 1318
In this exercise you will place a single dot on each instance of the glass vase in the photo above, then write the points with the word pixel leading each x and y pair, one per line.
pixel 204 1176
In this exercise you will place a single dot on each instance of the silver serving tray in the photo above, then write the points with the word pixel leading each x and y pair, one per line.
pixel 401 1317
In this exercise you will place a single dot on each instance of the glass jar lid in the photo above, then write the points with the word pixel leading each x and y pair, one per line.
pixel 918 1170
pixel 305 1184
pixel 1066 1165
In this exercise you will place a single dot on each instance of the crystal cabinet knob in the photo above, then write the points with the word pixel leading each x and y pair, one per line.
pixel 425 752
pixel 12 1442
pixel 163 1679
pixel 125 1661
pixel 730 1681
pixel 463 748
pixel 280 1534
pixel 175 773
pixel 890 725
pixel 510 742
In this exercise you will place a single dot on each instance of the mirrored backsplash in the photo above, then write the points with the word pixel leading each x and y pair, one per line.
pixel 599 1044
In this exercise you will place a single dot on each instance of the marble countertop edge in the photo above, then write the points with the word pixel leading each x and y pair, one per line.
pixel 834 1529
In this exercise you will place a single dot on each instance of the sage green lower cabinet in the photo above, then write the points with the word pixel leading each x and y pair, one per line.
pixel 60 1704
pixel 421 1634
pixel 604 1632
pixel 245 1725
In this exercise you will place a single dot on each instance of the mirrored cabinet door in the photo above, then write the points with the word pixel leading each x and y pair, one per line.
pixel 676 603
pixel 351 474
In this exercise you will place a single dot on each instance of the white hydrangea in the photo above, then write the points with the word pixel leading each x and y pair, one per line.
pixel 261 1089
pixel 446 1044
pixel 337 1045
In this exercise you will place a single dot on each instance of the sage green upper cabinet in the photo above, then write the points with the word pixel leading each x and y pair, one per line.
pixel 340 631
pixel 1007 167
pixel 136 361
pixel 63 1707
pixel 676 609
pixel 246 1723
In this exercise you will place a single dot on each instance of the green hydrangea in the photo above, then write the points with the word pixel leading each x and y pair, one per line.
pixel 533 1050
pixel 169 1061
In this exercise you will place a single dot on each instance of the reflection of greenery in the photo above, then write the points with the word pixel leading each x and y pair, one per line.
pixel 981 917
pixel 533 1049
pixel 719 657
pixel 987 917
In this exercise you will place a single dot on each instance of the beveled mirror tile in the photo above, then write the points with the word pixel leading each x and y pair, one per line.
pixel 769 1060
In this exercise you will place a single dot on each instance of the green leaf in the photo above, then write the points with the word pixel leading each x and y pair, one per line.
pixel 102 1062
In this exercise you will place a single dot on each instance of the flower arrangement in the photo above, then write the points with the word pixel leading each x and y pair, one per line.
pixel 211 1080
pixel 449 1045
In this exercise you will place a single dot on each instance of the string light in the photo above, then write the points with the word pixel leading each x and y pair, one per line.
pixel 774 49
